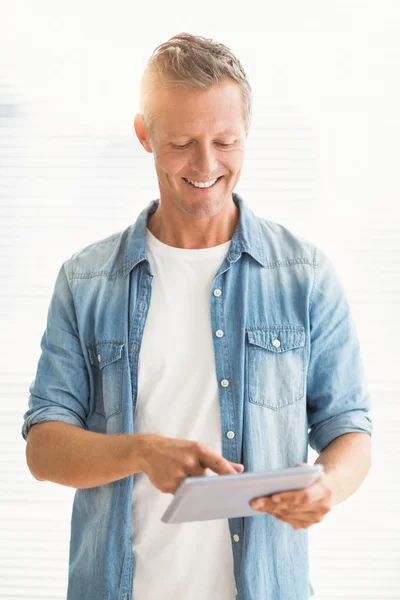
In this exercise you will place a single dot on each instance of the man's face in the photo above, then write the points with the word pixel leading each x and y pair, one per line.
pixel 209 124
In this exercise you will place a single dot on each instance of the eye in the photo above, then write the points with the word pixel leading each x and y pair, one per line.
pixel 186 145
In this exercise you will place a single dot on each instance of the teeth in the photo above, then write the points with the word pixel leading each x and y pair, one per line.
pixel 201 184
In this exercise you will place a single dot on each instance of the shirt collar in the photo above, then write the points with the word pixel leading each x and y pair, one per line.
pixel 246 238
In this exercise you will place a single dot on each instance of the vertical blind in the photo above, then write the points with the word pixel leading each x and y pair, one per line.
pixel 321 159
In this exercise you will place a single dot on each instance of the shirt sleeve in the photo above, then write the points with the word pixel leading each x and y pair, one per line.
pixel 60 390
pixel 338 400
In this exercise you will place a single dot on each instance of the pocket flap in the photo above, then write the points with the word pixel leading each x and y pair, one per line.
pixel 104 353
pixel 278 338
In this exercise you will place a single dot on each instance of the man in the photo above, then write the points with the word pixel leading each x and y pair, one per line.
pixel 200 338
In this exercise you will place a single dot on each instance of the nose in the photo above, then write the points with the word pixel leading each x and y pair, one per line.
pixel 204 162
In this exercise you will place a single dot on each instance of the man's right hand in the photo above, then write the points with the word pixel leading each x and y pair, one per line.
pixel 167 461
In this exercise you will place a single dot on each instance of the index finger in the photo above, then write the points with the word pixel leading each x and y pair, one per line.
pixel 214 461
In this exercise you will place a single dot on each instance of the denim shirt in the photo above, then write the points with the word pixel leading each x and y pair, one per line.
pixel 277 398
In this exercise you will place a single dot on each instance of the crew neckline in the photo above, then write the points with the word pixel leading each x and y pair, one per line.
pixel 187 253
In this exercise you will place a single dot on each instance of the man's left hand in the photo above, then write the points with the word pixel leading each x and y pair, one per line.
pixel 299 508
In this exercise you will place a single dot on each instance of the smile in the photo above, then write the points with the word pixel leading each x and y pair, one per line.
pixel 204 189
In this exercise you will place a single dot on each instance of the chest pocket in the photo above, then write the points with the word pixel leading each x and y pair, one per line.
pixel 276 365
pixel 107 363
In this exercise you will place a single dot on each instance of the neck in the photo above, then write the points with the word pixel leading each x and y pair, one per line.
pixel 176 228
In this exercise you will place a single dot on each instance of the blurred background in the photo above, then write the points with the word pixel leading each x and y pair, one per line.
pixel 322 159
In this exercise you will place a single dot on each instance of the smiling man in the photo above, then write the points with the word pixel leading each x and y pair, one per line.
pixel 201 340
pixel 198 141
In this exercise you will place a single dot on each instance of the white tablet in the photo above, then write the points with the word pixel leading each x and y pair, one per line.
pixel 229 496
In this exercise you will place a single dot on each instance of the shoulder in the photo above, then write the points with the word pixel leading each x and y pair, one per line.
pixel 285 245
pixel 102 257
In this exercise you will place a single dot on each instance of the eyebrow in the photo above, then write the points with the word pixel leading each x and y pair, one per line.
pixel 170 133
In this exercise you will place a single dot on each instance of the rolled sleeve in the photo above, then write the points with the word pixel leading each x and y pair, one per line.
pixel 338 400
pixel 60 390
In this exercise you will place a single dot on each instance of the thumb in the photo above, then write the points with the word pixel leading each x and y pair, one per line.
pixel 239 468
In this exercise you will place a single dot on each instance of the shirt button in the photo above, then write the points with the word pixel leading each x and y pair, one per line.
pixel 224 383
pixel 236 537
pixel 219 333
pixel 99 357
pixel 236 592
pixel 276 343
pixel 230 435
pixel 217 292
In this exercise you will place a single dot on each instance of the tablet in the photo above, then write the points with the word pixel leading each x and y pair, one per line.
pixel 229 496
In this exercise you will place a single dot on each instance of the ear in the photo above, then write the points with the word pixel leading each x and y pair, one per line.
pixel 142 133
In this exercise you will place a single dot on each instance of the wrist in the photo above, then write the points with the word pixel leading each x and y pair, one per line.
pixel 331 477
pixel 139 449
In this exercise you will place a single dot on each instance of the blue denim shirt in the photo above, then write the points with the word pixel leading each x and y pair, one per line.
pixel 277 398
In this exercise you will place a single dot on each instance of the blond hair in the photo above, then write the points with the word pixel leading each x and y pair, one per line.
pixel 191 61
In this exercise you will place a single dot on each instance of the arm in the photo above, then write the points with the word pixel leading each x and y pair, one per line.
pixel 60 448
pixel 71 456
pixel 68 455
pixel 338 400
pixel 60 390
pixel 346 460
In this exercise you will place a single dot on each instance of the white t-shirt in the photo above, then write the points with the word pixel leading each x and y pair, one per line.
pixel 178 398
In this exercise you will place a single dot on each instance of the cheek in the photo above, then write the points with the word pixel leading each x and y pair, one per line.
pixel 176 169
pixel 169 165
pixel 234 163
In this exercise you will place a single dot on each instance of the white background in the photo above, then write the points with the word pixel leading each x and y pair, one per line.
pixel 322 159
